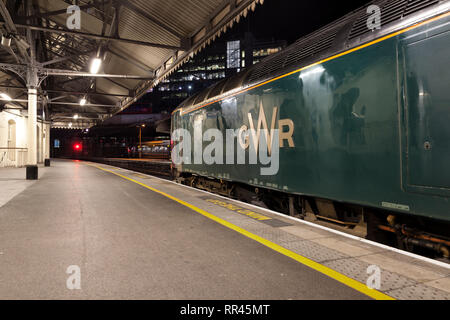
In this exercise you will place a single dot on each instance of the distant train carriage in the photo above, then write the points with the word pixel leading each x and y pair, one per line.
pixel 364 126
pixel 155 150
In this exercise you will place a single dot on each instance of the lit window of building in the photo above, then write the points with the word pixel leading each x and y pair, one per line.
pixel 233 54
pixel 223 59
pixel 265 52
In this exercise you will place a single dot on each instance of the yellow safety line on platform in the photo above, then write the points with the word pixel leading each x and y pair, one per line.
pixel 358 286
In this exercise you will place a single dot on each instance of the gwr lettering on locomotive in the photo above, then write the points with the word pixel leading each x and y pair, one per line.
pixel 268 132
pixel 256 144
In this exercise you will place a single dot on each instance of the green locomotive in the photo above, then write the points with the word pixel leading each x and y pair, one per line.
pixel 363 122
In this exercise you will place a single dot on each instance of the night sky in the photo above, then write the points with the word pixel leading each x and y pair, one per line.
pixel 291 19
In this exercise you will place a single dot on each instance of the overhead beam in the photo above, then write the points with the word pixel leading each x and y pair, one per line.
pixel 55 13
pixel 76 120
pixel 88 94
pixel 64 103
pixel 11 52
pixel 62 59
pixel 11 29
pixel 71 73
pixel 86 105
pixel 12 87
pixel 9 24
pixel 73 58
pixel 63 39
pixel 63 114
pixel 58 98
pixel 96 36
pixel 69 92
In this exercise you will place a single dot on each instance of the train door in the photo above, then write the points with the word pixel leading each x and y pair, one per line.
pixel 427 112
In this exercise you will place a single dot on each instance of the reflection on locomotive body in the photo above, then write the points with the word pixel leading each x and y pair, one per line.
pixel 153 150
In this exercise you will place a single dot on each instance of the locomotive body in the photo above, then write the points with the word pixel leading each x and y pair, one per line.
pixel 365 129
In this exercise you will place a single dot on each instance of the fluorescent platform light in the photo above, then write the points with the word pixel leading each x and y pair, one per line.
pixel 4 96
pixel 95 65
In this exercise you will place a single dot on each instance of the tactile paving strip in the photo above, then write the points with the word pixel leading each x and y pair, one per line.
pixel 274 235
pixel 357 269
pixel 419 292
pixel 276 223
pixel 313 251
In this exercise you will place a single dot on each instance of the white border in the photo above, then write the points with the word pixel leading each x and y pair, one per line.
pixel 376 244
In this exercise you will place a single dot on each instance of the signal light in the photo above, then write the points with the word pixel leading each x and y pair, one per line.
pixel 77 147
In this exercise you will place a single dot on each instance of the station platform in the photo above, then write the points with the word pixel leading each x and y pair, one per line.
pixel 13 182
pixel 135 236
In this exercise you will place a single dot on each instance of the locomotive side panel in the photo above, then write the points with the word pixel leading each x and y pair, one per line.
pixel 348 136
pixel 345 133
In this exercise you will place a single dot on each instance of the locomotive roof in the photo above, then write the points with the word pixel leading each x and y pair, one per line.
pixel 345 33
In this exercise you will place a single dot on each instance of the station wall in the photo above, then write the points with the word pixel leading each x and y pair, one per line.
pixel 13 139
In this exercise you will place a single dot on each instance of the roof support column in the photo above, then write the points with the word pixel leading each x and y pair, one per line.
pixel 47 145
pixel 47 127
pixel 32 168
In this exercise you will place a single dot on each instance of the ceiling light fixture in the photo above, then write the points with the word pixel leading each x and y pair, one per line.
pixel 95 65
pixel 4 96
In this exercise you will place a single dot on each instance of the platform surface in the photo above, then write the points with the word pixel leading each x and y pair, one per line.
pixel 134 236
pixel 13 182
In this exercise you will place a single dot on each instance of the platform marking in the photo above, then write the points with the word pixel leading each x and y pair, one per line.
pixel 356 285
pixel 251 214
pixel 275 223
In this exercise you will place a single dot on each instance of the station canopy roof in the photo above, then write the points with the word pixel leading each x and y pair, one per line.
pixel 140 43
